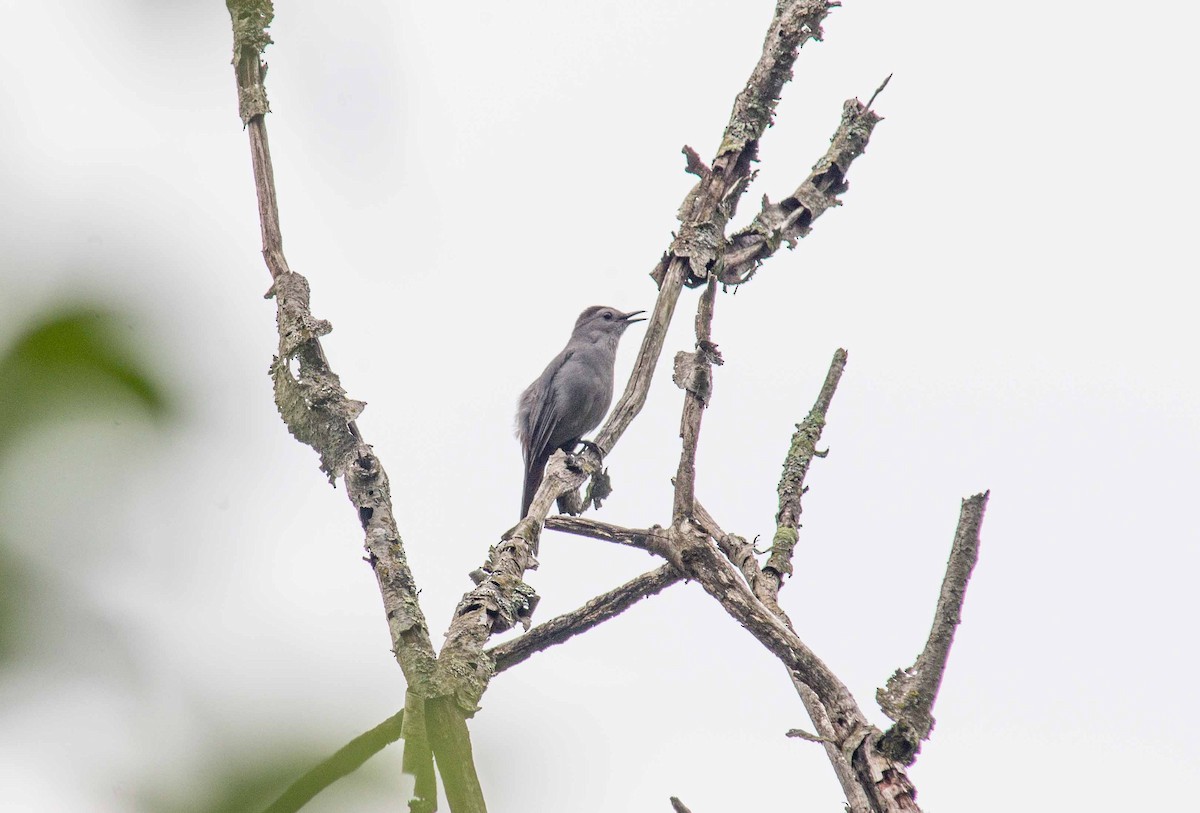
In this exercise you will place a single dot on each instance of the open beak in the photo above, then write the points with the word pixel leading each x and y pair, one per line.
pixel 629 320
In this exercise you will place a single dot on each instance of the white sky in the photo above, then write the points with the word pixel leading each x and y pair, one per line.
pixel 1012 273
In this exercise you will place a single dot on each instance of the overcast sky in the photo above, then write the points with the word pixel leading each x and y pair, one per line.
pixel 1013 274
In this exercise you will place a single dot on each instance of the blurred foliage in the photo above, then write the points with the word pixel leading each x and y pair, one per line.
pixel 78 363
pixel 68 360
pixel 71 361
pixel 281 778
pixel 14 594
pixel 348 759
pixel 233 786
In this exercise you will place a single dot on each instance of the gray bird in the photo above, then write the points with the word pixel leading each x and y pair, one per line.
pixel 572 394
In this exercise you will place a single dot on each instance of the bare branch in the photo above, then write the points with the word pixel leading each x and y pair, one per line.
pixel 312 403
pixel 317 412
pixel 910 693
pixel 828 701
pixel 741 554
pixel 873 783
pixel 693 374
pixel 596 611
pixel 704 564
pixel 765 583
pixel 714 199
pixel 871 780
pixel 651 540
pixel 848 778
pixel 792 218
pixel 800 453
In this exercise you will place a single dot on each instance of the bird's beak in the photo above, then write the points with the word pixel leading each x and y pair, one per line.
pixel 629 320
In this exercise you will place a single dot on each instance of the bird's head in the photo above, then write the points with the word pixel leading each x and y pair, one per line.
pixel 601 321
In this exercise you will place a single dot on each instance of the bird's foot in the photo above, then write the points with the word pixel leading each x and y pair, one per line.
pixel 573 461
pixel 587 444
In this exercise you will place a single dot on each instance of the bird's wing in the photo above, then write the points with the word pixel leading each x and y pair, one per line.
pixel 540 417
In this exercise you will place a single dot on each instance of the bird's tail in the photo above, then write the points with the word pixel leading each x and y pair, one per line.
pixel 535 469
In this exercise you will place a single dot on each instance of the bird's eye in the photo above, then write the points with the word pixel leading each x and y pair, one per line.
pixel 608 316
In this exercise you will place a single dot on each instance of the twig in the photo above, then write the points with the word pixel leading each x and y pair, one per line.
pixel 800 453
pixel 596 611
pixel 651 540
pixel 801 734
pixel 910 693
pixel 879 90
pixel 346 760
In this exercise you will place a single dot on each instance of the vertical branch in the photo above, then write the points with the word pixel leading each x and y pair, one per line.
pixel 317 412
pixel 251 18
pixel 417 760
pixel 693 373
pixel 451 743
pixel 313 404
pixel 638 387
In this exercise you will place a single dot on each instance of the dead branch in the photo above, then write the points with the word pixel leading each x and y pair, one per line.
pixel 651 540
pixel 693 374
pixel 800 453
pixel 313 403
pixel 791 218
pixel 594 612
pixel 910 693
pixel 741 553
pixel 867 773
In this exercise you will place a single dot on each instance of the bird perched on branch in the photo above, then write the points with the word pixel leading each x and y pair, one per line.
pixel 572 394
